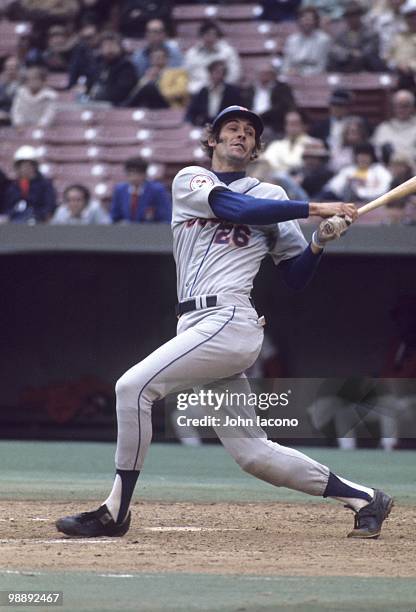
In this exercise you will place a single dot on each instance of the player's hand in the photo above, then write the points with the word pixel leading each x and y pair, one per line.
pixel 330 229
pixel 329 209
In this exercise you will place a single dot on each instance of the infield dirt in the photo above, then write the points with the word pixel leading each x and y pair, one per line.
pixel 221 538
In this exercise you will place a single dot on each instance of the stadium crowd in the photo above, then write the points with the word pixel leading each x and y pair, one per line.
pixel 97 54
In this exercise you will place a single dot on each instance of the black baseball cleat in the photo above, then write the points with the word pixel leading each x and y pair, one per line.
pixel 93 524
pixel 368 520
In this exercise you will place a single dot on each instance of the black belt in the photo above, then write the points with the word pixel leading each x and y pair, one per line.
pixel 198 303
pixel 190 305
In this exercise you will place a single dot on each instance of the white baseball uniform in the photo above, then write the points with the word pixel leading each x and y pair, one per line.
pixel 216 343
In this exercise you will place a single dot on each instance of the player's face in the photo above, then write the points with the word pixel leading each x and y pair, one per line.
pixel 235 146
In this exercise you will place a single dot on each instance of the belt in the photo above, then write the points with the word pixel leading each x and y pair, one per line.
pixel 200 302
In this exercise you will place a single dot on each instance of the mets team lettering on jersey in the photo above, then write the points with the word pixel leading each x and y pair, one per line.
pixel 214 256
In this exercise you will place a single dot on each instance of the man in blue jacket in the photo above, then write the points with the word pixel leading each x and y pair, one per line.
pixel 31 197
pixel 140 200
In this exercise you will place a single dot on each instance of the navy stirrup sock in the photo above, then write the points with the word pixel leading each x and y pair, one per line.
pixel 128 483
pixel 340 488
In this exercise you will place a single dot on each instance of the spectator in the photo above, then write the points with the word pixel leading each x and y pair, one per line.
pixel 217 95
pixel 262 170
pixel 34 102
pixel 78 209
pixel 356 47
pixel 401 56
pixel 30 197
pixel 279 10
pixel 386 19
pixel 306 51
pixel 285 154
pixel 269 97
pixel 140 200
pixel 398 134
pixel 9 82
pixel 57 53
pixel 401 168
pixel 330 130
pixel 355 132
pixel 315 171
pixel 83 61
pixel 156 37
pixel 160 86
pixel 116 76
pixel 363 181
pixel 135 15
pixel 212 47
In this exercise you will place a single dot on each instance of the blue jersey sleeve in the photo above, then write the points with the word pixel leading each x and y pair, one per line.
pixel 299 271
pixel 240 208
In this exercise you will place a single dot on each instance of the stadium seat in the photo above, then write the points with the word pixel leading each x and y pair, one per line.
pixel 116 154
pixel 73 115
pixel 77 172
pixel 71 153
pixel 235 12
pixel 65 135
pixel 10 33
pixel 257 45
pixel 194 12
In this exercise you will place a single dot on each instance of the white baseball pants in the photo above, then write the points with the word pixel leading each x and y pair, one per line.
pixel 215 344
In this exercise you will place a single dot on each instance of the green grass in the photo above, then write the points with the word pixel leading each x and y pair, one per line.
pixel 88 592
pixel 64 470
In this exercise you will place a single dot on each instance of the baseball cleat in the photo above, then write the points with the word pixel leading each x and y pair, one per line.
pixel 93 524
pixel 368 520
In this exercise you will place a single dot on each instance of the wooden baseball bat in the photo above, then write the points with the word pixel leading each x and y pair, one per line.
pixel 401 191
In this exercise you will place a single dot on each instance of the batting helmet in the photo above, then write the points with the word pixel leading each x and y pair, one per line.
pixel 243 113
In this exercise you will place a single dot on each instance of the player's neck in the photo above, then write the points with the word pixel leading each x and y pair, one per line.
pixel 227 166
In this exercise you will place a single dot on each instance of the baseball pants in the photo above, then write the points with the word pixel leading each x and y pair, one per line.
pixel 212 345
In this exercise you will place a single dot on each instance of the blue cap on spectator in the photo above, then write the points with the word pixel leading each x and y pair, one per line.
pixel 242 112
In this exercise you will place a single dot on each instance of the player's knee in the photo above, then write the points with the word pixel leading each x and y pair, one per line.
pixel 127 390
pixel 251 462
pixel 131 391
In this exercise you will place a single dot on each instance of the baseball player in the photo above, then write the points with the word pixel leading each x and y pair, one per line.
pixel 224 224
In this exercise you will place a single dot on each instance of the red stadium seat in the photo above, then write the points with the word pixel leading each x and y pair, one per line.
pixel 117 155
pixel 71 153
pixel 77 172
pixel 235 12
pixel 65 135
pixel 194 12
pixel 257 45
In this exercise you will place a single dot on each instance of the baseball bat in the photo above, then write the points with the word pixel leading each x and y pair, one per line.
pixel 401 191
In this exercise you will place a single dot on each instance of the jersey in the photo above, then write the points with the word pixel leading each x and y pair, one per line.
pixel 215 256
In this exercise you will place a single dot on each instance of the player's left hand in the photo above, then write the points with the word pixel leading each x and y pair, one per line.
pixel 331 229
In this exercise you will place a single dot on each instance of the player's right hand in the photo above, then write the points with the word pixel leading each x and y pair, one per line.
pixel 329 209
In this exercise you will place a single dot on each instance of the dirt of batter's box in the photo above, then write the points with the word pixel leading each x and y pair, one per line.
pixel 221 538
